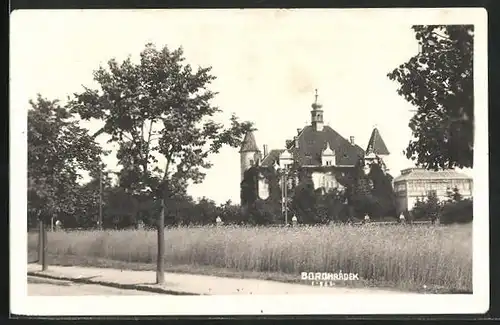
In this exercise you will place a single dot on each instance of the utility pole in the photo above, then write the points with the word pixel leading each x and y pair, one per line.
pixel 100 198
pixel 282 176
pixel 160 274
pixel 285 183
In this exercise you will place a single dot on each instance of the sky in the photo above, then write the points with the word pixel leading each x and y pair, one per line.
pixel 267 63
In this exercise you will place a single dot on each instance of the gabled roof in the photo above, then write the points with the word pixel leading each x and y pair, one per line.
pixel 271 157
pixel 377 144
pixel 249 143
pixel 312 143
pixel 328 151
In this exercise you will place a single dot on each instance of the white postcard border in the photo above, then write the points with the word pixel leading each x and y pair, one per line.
pixel 355 304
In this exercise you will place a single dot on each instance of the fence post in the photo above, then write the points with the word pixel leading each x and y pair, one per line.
pixel 160 275
pixel 40 241
pixel 44 247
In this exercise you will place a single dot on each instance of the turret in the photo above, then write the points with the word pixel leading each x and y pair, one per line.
pixel 249 153
pixel 317 114
pixel 376 150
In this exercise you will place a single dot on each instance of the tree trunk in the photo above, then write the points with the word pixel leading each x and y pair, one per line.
pixel 160 274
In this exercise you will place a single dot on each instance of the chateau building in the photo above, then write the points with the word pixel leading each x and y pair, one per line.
pixel 418 183
pixel 314 147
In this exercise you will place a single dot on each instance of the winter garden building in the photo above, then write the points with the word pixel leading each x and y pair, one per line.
pixel 418 183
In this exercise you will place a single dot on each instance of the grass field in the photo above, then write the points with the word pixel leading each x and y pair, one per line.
pixel 404 257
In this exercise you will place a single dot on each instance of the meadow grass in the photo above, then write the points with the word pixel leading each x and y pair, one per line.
pixel 403 256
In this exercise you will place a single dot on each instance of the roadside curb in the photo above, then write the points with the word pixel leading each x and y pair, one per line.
pixel 140 287
pixel 42 280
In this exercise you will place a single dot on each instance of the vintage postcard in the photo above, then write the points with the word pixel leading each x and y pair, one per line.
pixel 249 162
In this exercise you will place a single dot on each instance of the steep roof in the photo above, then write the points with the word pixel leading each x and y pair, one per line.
pixel 271 157
pixel 249 143
pixel 424 174
pixel 312 143
pixel 377 143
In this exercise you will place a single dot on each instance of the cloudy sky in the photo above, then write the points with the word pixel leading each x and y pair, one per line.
pixel 267 64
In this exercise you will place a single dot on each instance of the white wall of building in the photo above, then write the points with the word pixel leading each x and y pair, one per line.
pixel 408 191
pixel 325 180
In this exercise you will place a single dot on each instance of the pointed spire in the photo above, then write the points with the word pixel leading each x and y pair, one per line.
pixel 316 105
pixel 249 144
pixel 376 144
pixel 317 114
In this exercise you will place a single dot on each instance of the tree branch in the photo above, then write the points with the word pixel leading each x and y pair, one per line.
pixel 127 137
pixel 442 36
pixel 145 166
pixel 167 165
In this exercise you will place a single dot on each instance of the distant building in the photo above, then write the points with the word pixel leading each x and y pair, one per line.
pixel 317 148
pixel 416 183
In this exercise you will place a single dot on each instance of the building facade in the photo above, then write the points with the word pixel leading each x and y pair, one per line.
pixel 313 147
pixel 418 183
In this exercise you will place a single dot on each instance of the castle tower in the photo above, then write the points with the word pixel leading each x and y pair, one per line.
pixel 376 149
pixel 317 114
pixel 249 153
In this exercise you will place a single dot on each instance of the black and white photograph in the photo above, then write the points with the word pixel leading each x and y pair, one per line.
pixel 249 161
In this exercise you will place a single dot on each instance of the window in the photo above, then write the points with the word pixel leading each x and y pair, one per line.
pixel 431 192
pixel 251 162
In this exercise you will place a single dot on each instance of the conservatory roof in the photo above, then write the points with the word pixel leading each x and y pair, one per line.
pixel 424 174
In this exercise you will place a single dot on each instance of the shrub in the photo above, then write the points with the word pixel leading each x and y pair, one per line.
pixel 430 208
pixel 457 212
pixel 455 209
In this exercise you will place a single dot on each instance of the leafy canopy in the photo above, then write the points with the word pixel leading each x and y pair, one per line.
pixel 159 107
pixel 439 82
pixel 58 149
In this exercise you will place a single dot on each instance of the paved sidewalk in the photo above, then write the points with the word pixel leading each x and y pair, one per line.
pixel 185 284
pixel 38 286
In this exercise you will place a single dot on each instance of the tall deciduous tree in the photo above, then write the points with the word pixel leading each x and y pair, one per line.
pixel 58 148
pixel 159 107
pixel 439 82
